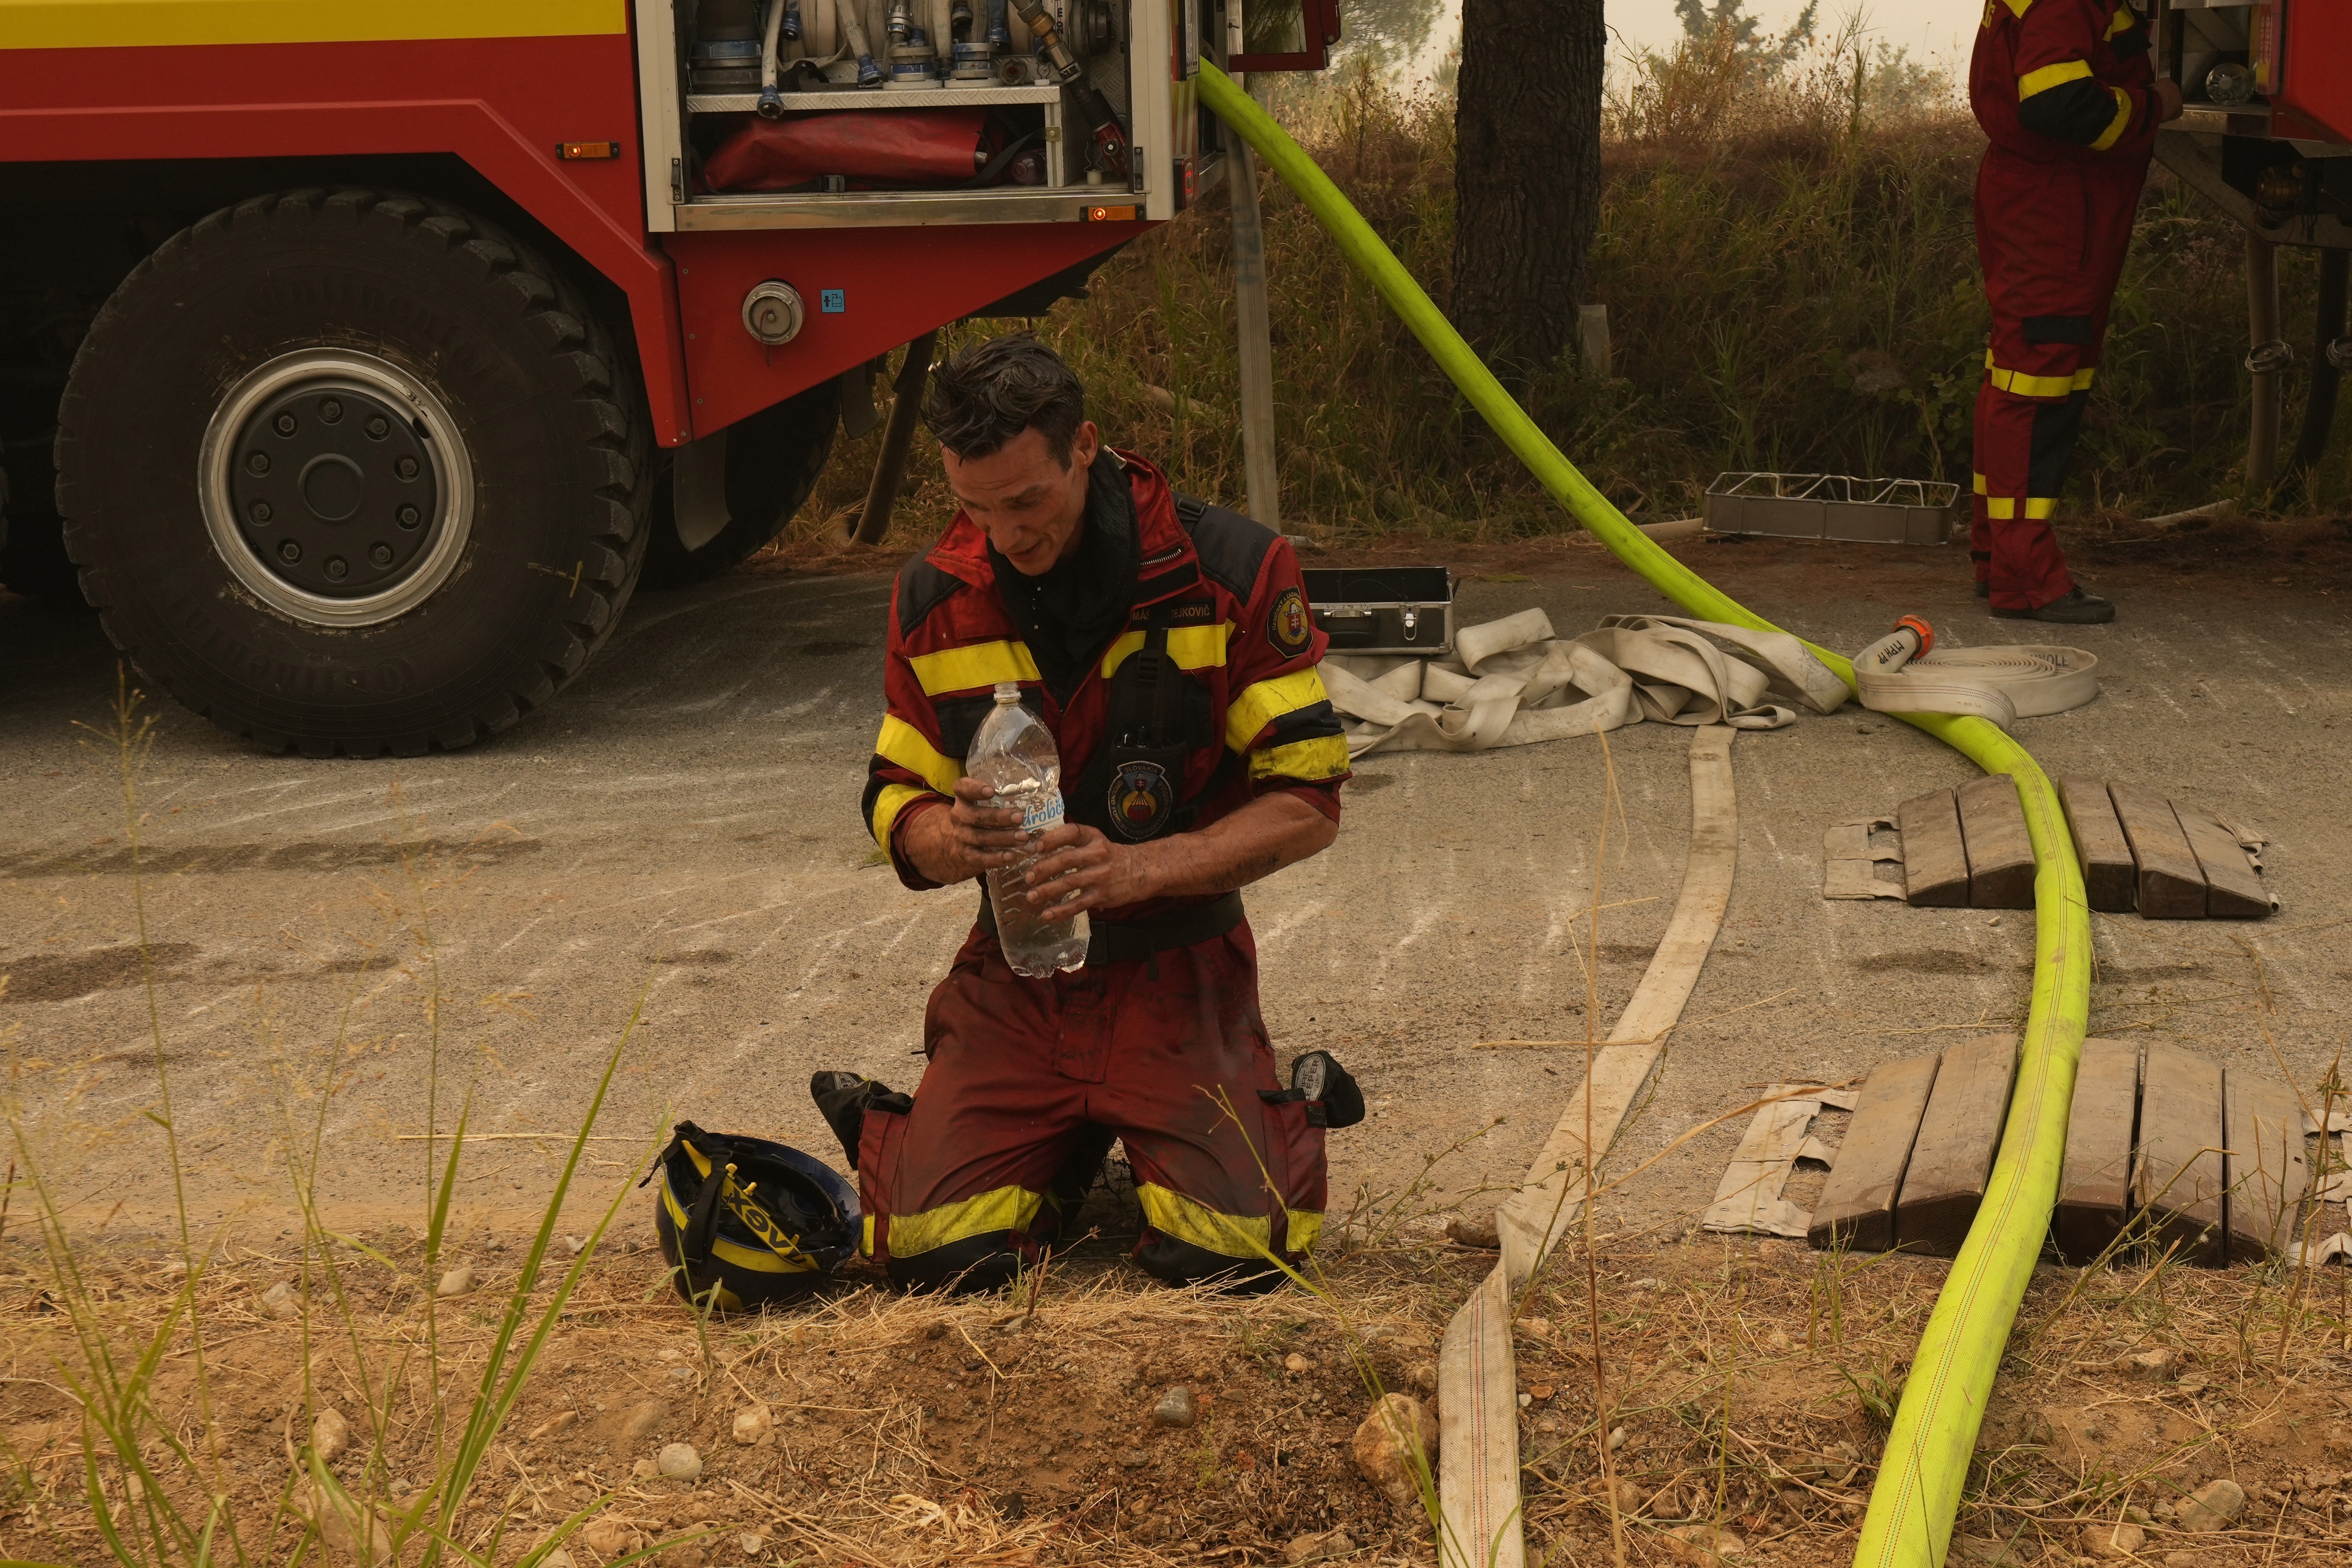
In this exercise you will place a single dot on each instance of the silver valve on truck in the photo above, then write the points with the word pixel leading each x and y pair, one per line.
pixel 1108 136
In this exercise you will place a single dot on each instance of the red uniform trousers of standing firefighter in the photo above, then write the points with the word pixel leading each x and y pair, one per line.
pixel 2061 88
pixel 1158 1040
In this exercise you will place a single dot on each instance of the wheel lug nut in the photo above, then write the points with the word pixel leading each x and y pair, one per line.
pixel 405 468
pixel 290 552
pixel 336 569
pixel 258 463
pixel 377 427
pixel 286 424
pixel 331 409
pixel 261 512
pixel 380 553
pixel 409 516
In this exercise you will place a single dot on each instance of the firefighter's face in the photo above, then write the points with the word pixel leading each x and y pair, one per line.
pixel 1030 504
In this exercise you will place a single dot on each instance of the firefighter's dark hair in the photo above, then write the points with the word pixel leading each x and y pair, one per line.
pixel 987 394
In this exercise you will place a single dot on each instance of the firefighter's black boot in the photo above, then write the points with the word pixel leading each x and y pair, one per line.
pixel 842 1099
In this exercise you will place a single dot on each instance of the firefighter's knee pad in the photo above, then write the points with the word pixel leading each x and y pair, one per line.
pixel 973 1265
pixel 1175 1262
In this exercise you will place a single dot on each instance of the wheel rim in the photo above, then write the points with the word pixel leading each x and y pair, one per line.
pixel 336 487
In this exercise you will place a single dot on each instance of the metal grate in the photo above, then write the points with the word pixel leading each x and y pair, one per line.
pixel 1832 506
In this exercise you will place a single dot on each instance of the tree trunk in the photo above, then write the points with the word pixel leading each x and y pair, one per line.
pixel 1526 174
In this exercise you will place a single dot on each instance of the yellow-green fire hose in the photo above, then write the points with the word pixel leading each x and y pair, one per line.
pixel 1926 1457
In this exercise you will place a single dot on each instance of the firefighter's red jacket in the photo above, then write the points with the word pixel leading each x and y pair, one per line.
pixel 2064 81
pixel 1241 627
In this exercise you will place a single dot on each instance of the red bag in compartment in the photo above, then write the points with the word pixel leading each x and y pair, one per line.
pixel 917 149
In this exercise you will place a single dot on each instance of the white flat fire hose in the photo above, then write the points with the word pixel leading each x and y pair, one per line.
pixel 1902 673
pixel 1477 1394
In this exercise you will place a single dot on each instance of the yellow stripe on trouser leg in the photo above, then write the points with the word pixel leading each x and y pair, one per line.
pixel 1926 1456
pixel 1172 1213
pixel 926 1230
pixel 2023 383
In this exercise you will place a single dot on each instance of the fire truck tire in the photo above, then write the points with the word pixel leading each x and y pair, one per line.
pixel 32 548
pixel 458 479
pixel 774 458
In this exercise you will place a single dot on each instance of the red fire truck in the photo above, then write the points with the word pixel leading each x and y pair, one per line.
pixel 2265 133
pixel 371 357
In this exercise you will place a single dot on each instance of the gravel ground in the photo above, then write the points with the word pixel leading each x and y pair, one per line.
pixel 679 832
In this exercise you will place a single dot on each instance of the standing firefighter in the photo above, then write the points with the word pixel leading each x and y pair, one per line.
pixel 1167 647
pixel 2064 89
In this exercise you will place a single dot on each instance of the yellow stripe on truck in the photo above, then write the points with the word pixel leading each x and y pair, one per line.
pixel 119 24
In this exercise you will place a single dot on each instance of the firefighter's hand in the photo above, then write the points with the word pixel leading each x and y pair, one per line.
pixel 966 839
pixel 2168 99
pixel 1078 869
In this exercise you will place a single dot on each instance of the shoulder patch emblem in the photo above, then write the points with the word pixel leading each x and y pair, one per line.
pixel 1140 799
pixel 1286 627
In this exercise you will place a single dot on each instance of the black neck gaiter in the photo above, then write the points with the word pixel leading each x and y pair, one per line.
pixel 1069 613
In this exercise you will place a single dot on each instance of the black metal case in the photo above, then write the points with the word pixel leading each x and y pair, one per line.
pixel 1383 609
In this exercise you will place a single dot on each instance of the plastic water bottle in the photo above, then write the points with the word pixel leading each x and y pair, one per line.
pixel 1013 755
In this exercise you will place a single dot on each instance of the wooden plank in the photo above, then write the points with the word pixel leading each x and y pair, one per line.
pixel 2177 1176
pixel 1999 850
pixel 2108 874
pixel 2269 1175
pixel 2171 887
pixel 2095 1185
pixel 1857 1203
pixel 1935 864
pixel 1958 1137
pixel 2232 890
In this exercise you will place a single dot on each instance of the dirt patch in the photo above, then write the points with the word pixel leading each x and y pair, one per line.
pixel 1751 1383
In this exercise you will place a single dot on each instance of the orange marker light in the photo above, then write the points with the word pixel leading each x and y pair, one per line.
pixel 1111 215
pixel 572 152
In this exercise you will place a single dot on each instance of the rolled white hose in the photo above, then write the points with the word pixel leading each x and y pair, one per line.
pixel 1903 673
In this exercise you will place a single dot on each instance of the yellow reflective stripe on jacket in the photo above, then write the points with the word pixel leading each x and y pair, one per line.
pixel 982 663
pixel 904 744
pixel 1255 707
pixel 1006 1208
pixel 1192 648
pixel 2048 76
pixel 1173 1214
pixel 107 24
pixel 2123 21
pixel 1305 1230
pixel 2115 127
pixel 1323 757
pixel 2026 385
pixel 894 799
pixel 1980 485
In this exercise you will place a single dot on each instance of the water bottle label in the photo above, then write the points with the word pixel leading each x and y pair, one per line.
pixel 1044 815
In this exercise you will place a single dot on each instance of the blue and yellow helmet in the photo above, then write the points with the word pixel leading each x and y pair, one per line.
pixel 745 1223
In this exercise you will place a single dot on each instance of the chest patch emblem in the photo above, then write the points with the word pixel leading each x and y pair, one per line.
pixel 1286 625
pixel 1141 797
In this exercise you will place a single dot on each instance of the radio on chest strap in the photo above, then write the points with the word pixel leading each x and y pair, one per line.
pixel 1156 719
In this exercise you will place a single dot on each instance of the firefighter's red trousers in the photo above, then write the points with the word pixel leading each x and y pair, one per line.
pixel 2051 238
pixel 959 1191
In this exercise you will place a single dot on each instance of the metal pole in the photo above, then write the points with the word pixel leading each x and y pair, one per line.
pixel 2269 358
pixel 898 440
pixel 2326 361
pixel 1255 342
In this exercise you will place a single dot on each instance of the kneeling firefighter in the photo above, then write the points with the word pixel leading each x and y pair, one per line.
pixel 1167 646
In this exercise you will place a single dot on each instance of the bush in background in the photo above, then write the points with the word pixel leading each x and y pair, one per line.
pixel 1788 256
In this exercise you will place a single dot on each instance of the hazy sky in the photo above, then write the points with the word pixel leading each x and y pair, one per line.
pixel 1933 30
pixel 1928 28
